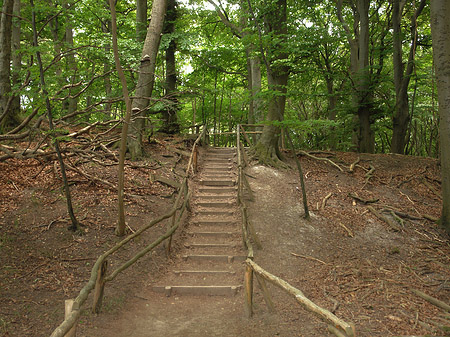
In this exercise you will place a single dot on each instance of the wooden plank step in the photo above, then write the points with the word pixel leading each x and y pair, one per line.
pixel 211 182
pixel 215 258
pixel 201 213
pixel 198 290
pixel 214 222
pixel 214 234
pixel 218 189
pixel 217 197
pixel 210 245
pixel 204 272
pixel 217 204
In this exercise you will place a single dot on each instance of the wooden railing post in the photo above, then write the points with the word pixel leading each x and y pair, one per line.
pixel 69 307
pixel 248 285
pixel 99 287
pixel 195 160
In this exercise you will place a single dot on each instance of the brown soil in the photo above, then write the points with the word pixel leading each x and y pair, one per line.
pixel 344 258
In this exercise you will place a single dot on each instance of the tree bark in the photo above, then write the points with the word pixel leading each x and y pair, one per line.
pixel 141 20
pixel 6 113
pixel 358 39
pixel 71 103
pixel 366 137
pixel 267 148
pixel 440 30
pixel 16 56
pixel 402 76
pixel 169 115
pixel 106 28
pixel 146 78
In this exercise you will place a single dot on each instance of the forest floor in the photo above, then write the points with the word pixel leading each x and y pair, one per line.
pixel 344 258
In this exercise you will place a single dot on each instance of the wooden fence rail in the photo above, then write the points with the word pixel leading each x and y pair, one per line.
pixel 346 328
pixel 98 277
pixel 336 325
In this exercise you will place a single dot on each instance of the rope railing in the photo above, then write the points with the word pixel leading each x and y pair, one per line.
pixel 336 326
pixel 98 277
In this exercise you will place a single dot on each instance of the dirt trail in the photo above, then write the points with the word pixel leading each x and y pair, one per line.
pixel 189 311
pixel 344 259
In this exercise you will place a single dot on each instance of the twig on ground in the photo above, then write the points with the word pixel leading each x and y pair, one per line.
pixel 349 232
pixel 309 258
pixel 324 201
pixel 323 159
pixel 353 165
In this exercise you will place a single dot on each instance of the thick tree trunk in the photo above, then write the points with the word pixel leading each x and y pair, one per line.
pixel 7 117
pixel 169 115
pixel 402 77
pixel 267 149
pixel 146 78
pixel 440 29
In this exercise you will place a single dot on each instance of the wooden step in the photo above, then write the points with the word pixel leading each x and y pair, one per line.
pixel 198 290
pixel 211 182
pixel 215 258
pixel 217 204
pixel 217 197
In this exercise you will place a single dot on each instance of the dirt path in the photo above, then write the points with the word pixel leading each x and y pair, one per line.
pixel 210 263
pixel 364 273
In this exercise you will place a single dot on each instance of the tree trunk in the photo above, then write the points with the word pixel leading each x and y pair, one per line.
pixel 402 78
pixel 358 39
pixel 146 78
pixel 141 20
pixel 16 56
pixel 440 29
pixel 7 117
pixel 71 102
pixel 366 137
pixel 267 149
pixel 106 28
pixel 169 115
pixel 75 226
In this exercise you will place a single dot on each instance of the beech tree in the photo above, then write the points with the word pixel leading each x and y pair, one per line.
pixel 8 117
pixel 440 28
pixel 146 78
pixel 275 25
pixel 402 74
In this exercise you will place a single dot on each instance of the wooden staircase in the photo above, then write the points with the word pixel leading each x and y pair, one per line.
pixel 212 261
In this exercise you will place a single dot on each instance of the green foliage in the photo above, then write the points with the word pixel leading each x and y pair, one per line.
pixel 212 68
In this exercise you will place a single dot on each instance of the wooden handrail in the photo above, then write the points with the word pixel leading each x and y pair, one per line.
pixel 345 328
pixel 73 317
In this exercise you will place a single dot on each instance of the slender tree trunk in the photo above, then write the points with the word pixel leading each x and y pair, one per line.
pixel 141 20
pixel 146 78
pixel 16 56
pixel 366 136
pixel 402 76
pixel 71 102
pixel 120 229
pixel 169 115
pixel 440 29
pixel 75 224
pixel 106 28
